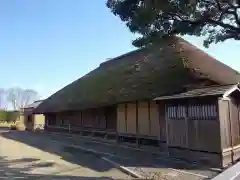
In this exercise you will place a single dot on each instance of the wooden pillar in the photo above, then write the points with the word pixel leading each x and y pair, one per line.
pixel 186 123
pixel 106 122
pixel 81 123
pixel 159 122
pixel 230 130
pixel 149 118
pixel 137 135
pixel 166 117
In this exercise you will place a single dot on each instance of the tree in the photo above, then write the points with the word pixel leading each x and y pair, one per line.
pixel 19 98
pixel 3 104
pixel 217 20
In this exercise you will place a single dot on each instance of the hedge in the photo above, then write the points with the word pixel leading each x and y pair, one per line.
pixel 9 116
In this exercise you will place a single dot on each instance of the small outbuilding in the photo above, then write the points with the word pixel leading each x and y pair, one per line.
pixel 32 121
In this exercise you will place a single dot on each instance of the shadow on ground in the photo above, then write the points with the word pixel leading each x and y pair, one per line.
pixel 66 153
pixel 86 160
pixel 15 169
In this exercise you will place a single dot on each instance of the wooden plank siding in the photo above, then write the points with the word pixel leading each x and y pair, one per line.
pixel 139 118
pixel 121 119
pixel 99 118
pixel 162 122
pixel 155 127
pixel 229 123
pixel 229 110
pixel 224 123
pixel 144 126
pixel 131 118
pixel 234 116
pixel 193 125
pixel 110 114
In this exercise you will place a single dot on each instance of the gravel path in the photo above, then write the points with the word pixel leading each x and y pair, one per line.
pixel 31 157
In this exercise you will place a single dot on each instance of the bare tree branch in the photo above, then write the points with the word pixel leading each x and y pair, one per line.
pixel 2 93
pixel 19 98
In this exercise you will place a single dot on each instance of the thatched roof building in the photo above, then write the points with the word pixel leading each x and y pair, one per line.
pixel 171 67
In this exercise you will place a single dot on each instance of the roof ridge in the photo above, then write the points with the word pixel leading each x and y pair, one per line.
pixel 109 60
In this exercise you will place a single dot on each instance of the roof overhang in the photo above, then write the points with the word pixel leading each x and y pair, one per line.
pixel 223 91
pixel 232 90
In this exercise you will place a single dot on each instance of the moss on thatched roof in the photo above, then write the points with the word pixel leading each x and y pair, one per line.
pixel 142 74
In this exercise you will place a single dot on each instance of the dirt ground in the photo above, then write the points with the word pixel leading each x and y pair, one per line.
pixel 43 159
pixel 50 156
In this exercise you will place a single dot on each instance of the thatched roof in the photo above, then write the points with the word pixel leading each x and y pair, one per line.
pixel 146 73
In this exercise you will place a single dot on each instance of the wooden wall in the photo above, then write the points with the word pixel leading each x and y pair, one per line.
pixel 144 125
pixel 230 123
pixel 99 118
pixel 234 117
pixel 131 118
pixel 193 124
pixel 224 118
pixel 138 118
pixel 111 117
pixel 229 110
pixel 122 118
pixel 32 121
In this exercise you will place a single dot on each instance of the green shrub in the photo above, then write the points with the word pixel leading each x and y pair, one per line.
pixel 9 116
pixel 3 115
pixel 13 116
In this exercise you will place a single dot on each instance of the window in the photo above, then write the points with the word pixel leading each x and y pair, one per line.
pixel 193 111
pixel 202 111
pixel 176 111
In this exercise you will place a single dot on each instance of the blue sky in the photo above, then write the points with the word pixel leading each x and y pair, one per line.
pixel 46 44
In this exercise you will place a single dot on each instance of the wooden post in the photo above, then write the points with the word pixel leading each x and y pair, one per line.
pixel 159 122
pixel 166 117
pixel 186 123
pixel 230 131
pixel 81 123
pixel 106 122
pixel 149 117
pixel 137 135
